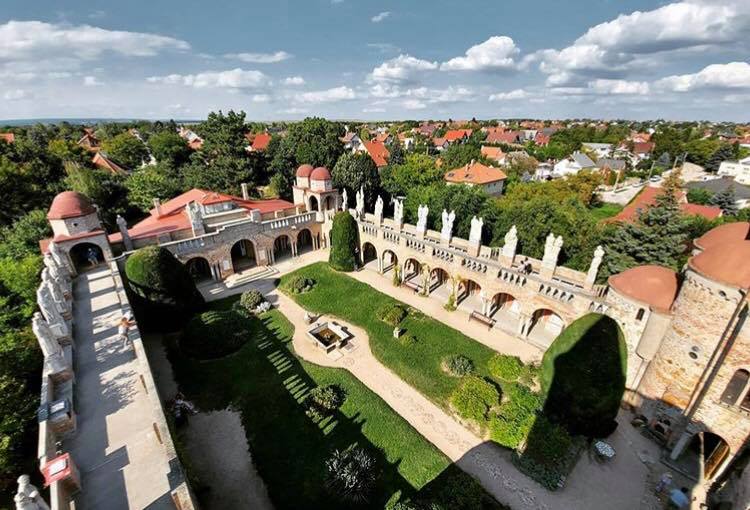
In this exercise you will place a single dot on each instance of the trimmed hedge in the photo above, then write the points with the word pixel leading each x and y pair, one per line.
pixel 323 401
pixel 344 242
pixel 250 300
pixel 215 334
pixel 507 368
pixel 392 314
pixel 300 284
pixel 475 398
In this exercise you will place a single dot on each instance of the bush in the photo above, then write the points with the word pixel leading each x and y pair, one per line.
pixel 215 334
pixel 507 368
pixel 450 305
pixel 407 339
pixel 344 242
pixel 351 474
pixel 392 314
pixel 251 299
pixel 474 398
pixel 458 365
pixel 323 401
pixel 300 284
pixel 514 419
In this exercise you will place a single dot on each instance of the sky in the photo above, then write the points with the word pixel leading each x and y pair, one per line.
pixel 376 60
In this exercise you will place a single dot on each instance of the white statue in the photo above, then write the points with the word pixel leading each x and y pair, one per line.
pixel 422 212
pixel 549 243
pixel 475 235
pixel 121 223
pixel 48 307
pixel 594 267
pixel 61 259
pixel 511 243
pixel 45 336
pixel 28 497
pixel 447 229
pixel 379 207
pixel 398 211
pixel 558 244
pixel 344 200
pixel 360 202
pixel 552 247
pixel 55 291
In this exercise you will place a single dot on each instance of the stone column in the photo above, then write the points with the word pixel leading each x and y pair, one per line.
pixel 594 268
pixel 681 444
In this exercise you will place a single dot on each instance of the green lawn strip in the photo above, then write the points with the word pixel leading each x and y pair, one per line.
pixel 605 210
pixel 267 383
pixel 419 364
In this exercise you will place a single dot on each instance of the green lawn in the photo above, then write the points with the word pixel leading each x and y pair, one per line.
pixel 418 364
pixel 267 383
pixel 604 211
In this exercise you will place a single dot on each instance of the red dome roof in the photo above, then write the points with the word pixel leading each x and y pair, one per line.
pixel 728 232
pixel 70 204
pixel 655 286
pixel 304 170
pixel 727 263
pixel 320 174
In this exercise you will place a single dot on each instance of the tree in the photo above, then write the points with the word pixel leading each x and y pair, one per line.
pixel 460 154
pixel 699 196
pixel 417 170
pixel 315 141
pixel 466 201
pixel 22 238
pixel 344 242
pixel 354 171
pixel 520 163
pixel 126 150
pixel 396 153
pixel 169 148
pixel 105 189
pixel 726 200
pixel 723 153
pixel 157 181
pixel 67 150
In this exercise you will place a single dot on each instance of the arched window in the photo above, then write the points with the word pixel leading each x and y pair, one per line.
pixel 639 314
pixel 736 389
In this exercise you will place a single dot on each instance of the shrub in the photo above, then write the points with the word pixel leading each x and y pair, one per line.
pixel 513 421
pixel 392 314
pixel 507 368
pixel 396 278
pixel 458 365
pixel 450 305
pixel 251 299
pixel 344 242
pixel 474 398
pixel 323 401
pixel 351 474
pixel 407 339
pixel 215 334
pixel 300 284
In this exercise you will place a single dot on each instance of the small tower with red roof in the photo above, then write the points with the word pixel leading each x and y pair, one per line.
pixel 314 190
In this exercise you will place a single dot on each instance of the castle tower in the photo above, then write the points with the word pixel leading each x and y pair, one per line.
pixel 314 190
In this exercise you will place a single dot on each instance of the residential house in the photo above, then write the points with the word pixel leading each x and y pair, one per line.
pixel 488 178
pixel 88 141
pixel 384 138
pixel 541 139
pixel 427 129
pixel 643 150
pixel 600 150
pixel 378 152
pixel 573 164
pixel 103 162
pixel 544 172
pixel 507 137
pixel 194 141
pixel 740 170
pixel 8 137
pixel 259 142
pixel 440 143
pixel 494 153
pixel 352 142
pixel 647 198
pixel 407 142
pixel 741 191
pixel 458 135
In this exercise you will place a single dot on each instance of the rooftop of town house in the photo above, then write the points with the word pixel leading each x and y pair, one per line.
pixel 741 191
pixel 492 152
pixel 502 137
pixel 173 215
pixel 457 134
pixel 378 152
pixel 643 147
pixel 102 161
pixel 260 141
pixel 8 137
pixel 475 173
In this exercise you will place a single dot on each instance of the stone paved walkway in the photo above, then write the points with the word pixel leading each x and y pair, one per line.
pixel 121 461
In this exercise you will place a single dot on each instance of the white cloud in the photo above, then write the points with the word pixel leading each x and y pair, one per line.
pixel 618 87
pixel 232 79
pixel 451 94
pixel 91 81
pixel 261 98
pixel 401 69
pixel 384 47
pixel 260 58
pixel 373 110
pixel 509 96
pixel 497 52
pixel 294 111
pixel 734 75
pixel 380 17
pixel 294 80
pixel 36 40
pixel 414 104
pixel 14 95
pixel 331 95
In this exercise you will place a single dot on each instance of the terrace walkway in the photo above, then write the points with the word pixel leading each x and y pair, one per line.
pixel 121 460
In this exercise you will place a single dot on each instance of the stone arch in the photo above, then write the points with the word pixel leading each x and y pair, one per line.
pixel 282 247
pixel 304 241
pixel 468 291
pixel 704 455
pixel 438 278
pixel 369 253
pixel 243 255
pixel 329 204
pixel 83 254
pixel 199 268
pixel 313 203
pixel 389 260
pixel 412 268
pixel 545 325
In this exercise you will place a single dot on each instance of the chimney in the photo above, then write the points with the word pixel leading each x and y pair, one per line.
pixel 157 208
pixel 245 194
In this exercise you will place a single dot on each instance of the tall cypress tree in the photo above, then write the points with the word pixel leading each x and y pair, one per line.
pixel 726 200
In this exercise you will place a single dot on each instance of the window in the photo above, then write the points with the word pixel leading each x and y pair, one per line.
pixel 639 314
pixel 736 388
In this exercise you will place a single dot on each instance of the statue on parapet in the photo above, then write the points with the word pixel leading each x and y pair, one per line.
pixel 398 211
pixel 422 212
pixel 379 207
pixel 448 219
pixel 475 235
pixel 28 497
pixel 344 200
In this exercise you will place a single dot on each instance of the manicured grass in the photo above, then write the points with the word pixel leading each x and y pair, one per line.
pixel 604 211
pixel 418 364
pixel 267 383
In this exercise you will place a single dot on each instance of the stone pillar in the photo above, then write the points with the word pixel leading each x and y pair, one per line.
pixel 123 226
pixel 294 248
pixel 245 192
pixel 552 248
pixel 594 268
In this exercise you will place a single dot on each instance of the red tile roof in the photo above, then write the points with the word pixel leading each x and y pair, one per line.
pixel 382 137
pixel 174 217
pixel 69 204
pixel 378 152
pixel 655 286
pixel 495 153
pixel 643 147
pixel 457 134
pixel 8 137
pixel 100 160
pixel 475 173
pixel 439 142
pixel 725 263
pixel 541 139
pixel 261 141
pixel 647 198
pixel 502 137
pixel 195 144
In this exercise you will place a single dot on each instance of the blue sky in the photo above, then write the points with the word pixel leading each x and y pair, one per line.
pixel 350 59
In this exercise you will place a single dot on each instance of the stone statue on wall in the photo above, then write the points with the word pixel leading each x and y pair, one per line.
pixel 55 291
pixel 196 216
pixel 47 305
pixel 398 211
pixel 447 230
pixel 422 212
pixel 122 225
pixel 549 244
pixel 594 267
pixel 475 235
pixel 511 243
pixel 44 335
pixel 379 207
pixel 28 497
pixel 344 201
pixel 360 202
pixel 61 260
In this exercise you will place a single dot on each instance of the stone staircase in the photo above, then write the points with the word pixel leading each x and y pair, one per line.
pixel 251 275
